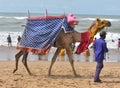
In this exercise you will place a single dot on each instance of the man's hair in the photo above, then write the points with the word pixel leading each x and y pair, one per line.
pixel 102 33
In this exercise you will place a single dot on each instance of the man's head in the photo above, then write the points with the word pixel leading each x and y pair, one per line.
pixel 103 34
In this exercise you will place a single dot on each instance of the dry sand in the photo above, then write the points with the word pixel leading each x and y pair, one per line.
pixel 62 75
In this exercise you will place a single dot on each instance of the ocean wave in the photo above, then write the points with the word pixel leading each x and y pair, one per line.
pixel 7 17
pixel 92 19
pixel 110 36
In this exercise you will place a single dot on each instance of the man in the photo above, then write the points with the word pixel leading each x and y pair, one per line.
pixel 100 48
pixel 19 38
pixel 86 54
pixel 9 40
pixel 118 43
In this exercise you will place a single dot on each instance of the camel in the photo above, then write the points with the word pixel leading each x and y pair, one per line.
pixel 61 43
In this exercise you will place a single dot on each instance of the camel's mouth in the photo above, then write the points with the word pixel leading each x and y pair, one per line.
pixel 76 23
pixel 108 24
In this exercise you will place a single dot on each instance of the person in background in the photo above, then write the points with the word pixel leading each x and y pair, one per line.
pixel 93 48
pixel 73 46
pixel 86 54
pixel 19 38
pixel 100 48
pixel 118 43
pixel 9 40
pixel 62 54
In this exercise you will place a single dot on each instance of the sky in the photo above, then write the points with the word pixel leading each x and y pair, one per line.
pixel 98 7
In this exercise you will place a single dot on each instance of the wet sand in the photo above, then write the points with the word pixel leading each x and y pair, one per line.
pixel 8 53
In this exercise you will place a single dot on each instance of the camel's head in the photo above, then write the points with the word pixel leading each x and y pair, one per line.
pixel 72 21
pixel 102 23
pixel 107 23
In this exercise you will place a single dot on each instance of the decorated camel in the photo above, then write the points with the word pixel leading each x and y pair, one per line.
pixel 59 40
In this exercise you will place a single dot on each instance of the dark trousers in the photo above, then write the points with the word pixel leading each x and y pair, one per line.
pixel 98 70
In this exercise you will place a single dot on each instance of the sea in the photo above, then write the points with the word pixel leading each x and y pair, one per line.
pixel 10 23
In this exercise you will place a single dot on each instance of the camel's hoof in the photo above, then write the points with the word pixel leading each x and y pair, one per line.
pixel 49 75
pixel 30 74
pixel 14 70
pixel 75 75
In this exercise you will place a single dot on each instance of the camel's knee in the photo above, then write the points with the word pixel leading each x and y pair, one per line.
pixel 71 61
pixel 19 54
pixel 24 59
pixel 16 56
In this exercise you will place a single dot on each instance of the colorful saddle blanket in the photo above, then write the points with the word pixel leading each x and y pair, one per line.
pixel 40 33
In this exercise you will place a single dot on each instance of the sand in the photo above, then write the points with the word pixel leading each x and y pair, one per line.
pixel 62 75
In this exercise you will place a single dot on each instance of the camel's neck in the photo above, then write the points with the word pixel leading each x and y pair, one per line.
pixel 94 28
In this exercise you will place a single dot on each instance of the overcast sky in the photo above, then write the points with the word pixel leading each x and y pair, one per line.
pixel 100 7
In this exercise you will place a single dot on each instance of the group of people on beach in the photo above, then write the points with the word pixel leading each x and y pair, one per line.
pixel 9 40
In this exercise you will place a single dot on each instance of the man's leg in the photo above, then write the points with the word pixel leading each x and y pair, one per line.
pixel 98 70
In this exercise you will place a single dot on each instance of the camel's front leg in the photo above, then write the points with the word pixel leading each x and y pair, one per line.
pixel 17 56
pixel 70 56
pixel 24 60
pixel 53 60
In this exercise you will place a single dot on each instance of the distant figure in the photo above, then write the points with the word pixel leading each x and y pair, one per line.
pixel 73 46
pixel 100 48
pixel 19 38
pixel 93 49
pixel 62 54
pixel 118 43
pixel 9 40
pixel 93 42
pixel 113 40
pixel 86 54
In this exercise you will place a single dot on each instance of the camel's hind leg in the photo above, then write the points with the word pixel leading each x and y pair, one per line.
pixel 24 60
pixel 53 60
pixel 17 56
pixel 70 56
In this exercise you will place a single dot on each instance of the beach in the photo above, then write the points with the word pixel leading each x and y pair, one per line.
pixel 12 22
pixel 61 73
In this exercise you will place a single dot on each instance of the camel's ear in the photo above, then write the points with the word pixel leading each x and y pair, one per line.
pixel 98 19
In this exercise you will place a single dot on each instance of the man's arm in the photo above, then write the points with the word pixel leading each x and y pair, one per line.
pixel 105 47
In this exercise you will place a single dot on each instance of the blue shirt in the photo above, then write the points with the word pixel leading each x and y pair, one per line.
pixel 100 48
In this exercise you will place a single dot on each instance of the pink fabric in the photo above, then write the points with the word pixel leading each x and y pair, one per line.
pixel 85 42
pixel 71 19
pixel 119 43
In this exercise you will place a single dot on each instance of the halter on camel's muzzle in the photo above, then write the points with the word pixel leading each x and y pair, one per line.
pixel 108 23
